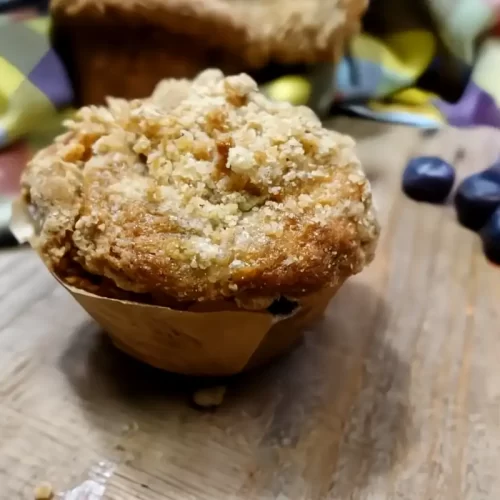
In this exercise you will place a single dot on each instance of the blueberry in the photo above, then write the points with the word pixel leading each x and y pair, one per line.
pixel 282 307
pixel 495 166
pixel 428 178
pixel 490 235
pixel 477 198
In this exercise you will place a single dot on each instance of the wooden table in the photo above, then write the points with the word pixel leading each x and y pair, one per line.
pixel 395 395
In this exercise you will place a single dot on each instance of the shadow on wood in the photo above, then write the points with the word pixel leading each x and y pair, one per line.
pixel 343 392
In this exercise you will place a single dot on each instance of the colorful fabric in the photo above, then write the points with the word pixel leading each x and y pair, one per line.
pixel 425 63
pixel 34 87
pixel 33 82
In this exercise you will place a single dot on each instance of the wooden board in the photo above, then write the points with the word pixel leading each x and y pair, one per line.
pixel 395 395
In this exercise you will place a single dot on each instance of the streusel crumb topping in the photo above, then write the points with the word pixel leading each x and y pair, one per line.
pixel 205 190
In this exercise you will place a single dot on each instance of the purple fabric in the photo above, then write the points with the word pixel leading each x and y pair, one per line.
pixel 50 76
pixel 475 107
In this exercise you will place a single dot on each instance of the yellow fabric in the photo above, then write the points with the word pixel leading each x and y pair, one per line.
pixel 10 79
pixel 406 54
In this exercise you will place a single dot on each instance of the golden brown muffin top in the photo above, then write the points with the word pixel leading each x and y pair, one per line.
pixel 260 31
pixel 204 191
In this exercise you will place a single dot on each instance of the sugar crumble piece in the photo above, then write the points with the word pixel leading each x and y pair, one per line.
pixel 210 397
pixel 44 491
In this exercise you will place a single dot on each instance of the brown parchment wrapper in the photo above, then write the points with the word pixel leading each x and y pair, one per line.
pixel 214 343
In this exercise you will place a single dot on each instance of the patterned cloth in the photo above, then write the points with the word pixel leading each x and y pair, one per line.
pixel 424 63
pixel 34 86
pixel 34 83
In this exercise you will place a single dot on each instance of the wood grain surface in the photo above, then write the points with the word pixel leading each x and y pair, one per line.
pixel 394 395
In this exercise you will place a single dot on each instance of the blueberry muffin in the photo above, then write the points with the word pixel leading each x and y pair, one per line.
pixel 147 40
pixel 205 195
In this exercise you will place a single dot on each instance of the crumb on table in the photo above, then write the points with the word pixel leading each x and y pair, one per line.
pixel 209 397
pixel 44 491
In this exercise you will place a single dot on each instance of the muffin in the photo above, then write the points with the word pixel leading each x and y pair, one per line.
pixel 103 40
pixel 206 200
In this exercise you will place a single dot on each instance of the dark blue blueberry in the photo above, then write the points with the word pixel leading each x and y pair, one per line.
pixel 495 166
pixel 428 178
pixel 477 198
pixel 490 235
pixel 282 307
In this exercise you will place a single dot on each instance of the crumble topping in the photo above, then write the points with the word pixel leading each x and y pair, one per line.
pixel 208 174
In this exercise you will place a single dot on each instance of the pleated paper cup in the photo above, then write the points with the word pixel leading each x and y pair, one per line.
pixel 211 343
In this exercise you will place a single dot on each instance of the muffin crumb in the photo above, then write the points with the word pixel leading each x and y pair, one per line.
pixel 44 491
pixel 210 397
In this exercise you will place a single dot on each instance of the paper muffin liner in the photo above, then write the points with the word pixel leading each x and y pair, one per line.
pixel 216 343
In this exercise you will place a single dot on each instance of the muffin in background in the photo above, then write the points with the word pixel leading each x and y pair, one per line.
pixel 207 205
pixel 123 48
